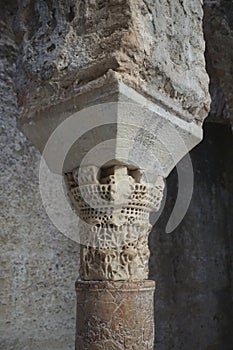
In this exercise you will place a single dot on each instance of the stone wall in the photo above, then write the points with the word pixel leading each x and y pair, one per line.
pixel 192 266
pixel 218 30
pixel 38 264
pixel 155 48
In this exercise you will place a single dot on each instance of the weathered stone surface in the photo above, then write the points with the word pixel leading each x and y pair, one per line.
pixel 114 205
pixel 115 315
pixel 113 122
pixel 38 264
pixel 193 265
pixel 68 48
pixel 218 29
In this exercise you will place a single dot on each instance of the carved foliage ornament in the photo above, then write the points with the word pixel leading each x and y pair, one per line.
pixel 114 206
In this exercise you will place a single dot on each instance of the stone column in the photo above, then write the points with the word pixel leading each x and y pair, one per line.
pixel 114 298
pixel 115 315
pixel 134 70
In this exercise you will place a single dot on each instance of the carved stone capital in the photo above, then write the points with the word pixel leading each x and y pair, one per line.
pixel 114 205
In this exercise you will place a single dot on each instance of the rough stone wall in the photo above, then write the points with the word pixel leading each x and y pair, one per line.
pixel 193 265
pixel 38 264
pixel 70 46
pixel 218 29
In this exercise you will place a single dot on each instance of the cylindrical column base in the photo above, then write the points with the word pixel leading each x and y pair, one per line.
pixel 115 315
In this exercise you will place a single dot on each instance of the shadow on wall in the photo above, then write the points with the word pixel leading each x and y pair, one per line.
pixel 193 265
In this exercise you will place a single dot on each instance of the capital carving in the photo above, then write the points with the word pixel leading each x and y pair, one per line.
pixel 114 205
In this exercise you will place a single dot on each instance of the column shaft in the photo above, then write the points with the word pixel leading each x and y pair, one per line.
pixel 115 315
